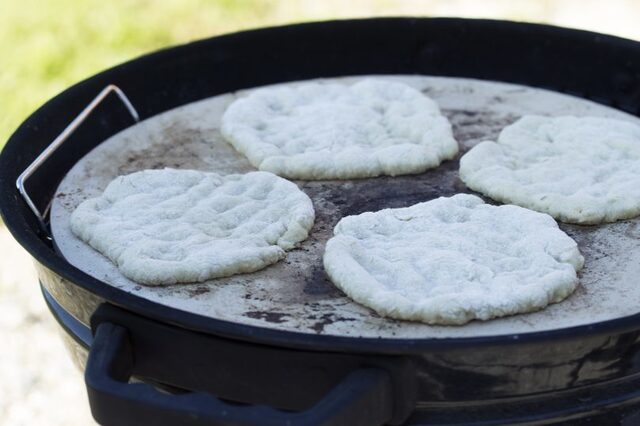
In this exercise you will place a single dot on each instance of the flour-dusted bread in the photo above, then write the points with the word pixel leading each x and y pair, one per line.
pixel 173 226
pixel 334 131
pixel 452 260
pixel 579 170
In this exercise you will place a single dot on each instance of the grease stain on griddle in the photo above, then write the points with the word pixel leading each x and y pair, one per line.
pixel 324 320
pixel 272 317
pixel 384 192
pixel 199 290
pixel 69 199
pixel 633 231
pixel 591 245
pixel 472 127
pixel 318 284
pixel 158 156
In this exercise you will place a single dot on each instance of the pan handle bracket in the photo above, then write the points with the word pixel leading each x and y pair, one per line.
pixel 59 140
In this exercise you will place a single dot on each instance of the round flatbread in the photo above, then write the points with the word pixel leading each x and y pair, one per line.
pixel 333 131
pixel 172 226
pixel 579 170
pixel 452 260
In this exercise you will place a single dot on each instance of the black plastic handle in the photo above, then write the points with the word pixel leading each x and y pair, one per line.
pixel 364 397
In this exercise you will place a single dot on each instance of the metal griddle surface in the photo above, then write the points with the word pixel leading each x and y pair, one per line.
pixel 295 294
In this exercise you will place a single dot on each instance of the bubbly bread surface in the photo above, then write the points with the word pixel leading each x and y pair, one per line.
pixel 583 170
pixel 335 131
pixel 174 226
pixel 452 260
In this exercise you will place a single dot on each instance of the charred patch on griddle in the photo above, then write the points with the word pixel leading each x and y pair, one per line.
pixel 588 238
pixel 580 233
pixel 429 91
pixel 472 127
pixel 460 187
pixel 395 191
pixel 325 320
pixel 318 284
pixel 173 152
pixel 201 289
pixel 69 200
pixel 633 230
pixel 273 317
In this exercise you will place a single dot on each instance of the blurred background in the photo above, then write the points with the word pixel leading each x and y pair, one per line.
pixel 46 45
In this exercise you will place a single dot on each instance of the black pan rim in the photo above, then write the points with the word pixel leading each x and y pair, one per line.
pixel 45 255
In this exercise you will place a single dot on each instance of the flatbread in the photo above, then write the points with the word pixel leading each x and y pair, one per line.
pixel 583 170
pixel 174 226
pixel 452 260
pixel 334 131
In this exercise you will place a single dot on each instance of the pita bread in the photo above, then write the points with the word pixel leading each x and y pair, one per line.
pixel 334 131
pixel 174 226
pixel 452 260
pixel 579 170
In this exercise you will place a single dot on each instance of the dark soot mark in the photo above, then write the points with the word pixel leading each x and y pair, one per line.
pixel 591 247
pixel 274 317
pixel 318 284
pixel 325 320
pixel 198 291
pixel 397 191
pixel 476 126
pixel 633 231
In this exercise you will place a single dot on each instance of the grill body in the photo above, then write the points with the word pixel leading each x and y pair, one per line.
pixel 581 374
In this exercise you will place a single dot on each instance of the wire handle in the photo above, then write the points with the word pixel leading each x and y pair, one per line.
pixel 63 136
